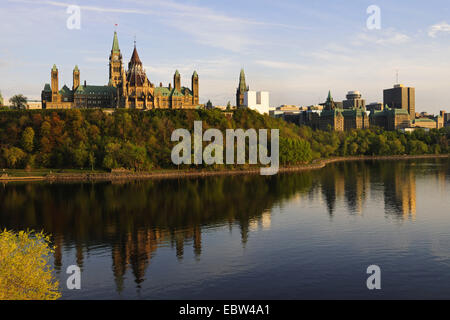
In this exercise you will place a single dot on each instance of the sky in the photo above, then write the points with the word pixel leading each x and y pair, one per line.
pixel 295 49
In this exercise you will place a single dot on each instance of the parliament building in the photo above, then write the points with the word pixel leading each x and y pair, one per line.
pixel 126 89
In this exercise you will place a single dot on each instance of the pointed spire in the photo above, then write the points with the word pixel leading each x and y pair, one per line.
pixel 242 85
pixel 135 57
pixel 54 68
pixel 329 98
pixel 195 75
pixel 177 73
pixel 115 46
pixel 76 68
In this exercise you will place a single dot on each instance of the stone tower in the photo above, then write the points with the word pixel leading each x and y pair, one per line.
pixel 115 63
pixel 177 81
pixel 240 92
pixel 195 88
pixel 76 78
pixel 55 87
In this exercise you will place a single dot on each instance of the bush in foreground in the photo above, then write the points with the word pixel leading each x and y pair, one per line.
pixel 25 272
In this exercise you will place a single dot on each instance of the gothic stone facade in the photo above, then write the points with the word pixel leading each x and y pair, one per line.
pixel 126 89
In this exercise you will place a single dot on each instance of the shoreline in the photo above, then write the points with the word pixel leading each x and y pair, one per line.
pixel 176 174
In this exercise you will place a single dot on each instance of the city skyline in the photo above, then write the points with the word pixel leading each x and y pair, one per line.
pixel 296 52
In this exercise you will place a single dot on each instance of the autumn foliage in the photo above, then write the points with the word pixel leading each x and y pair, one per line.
pixel 25 272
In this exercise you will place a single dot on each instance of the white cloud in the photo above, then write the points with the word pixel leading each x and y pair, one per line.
pixel 206 26
pixel 280 65
pixel 384 37
pixel 442 27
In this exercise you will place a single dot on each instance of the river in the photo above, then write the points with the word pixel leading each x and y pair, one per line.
pixel 291 236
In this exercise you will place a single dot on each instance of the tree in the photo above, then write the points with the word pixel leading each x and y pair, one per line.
pixel 14 157
pixel 28 139
pixel 1 100
pixel 18 101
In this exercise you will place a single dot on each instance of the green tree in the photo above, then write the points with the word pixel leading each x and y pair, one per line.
pixel 18 101
pixel 28 139
pixel 14 157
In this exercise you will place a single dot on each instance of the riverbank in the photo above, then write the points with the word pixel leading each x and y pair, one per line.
pixel 174 174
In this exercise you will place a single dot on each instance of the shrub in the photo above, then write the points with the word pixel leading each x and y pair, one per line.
pixel 25 272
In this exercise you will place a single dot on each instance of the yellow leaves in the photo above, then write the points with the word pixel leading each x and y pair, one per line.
pixel 25 272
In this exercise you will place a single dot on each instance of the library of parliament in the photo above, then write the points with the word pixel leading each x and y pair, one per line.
pixel 126 89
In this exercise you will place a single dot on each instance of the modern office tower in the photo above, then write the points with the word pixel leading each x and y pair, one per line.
pixel 354 101
pixel 258 101
pixel 401 97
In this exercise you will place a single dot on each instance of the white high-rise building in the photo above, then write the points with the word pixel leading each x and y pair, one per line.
pixel 258 101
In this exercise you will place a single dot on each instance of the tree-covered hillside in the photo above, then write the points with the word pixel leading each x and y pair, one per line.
pixel 140 140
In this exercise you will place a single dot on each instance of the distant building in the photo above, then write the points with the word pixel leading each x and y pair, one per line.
pixel 258 101
pixel 125 89
pixel 241 90
pixel 390 119
pixel 401 97
pixel 374 106
pixel 34 104
pixel 354 101
pixel 332 115
pixel 445 116
pixel 428 123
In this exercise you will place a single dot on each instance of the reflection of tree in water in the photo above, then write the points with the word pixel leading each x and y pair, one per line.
pixel 134 219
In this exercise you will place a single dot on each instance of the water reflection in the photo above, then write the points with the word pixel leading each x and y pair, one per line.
pixel 134 219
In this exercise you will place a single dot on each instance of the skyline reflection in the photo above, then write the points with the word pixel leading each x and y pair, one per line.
pixel 134 219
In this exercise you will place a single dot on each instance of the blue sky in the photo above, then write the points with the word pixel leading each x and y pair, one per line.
pixel 297 50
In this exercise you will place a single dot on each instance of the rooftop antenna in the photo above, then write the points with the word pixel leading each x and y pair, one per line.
pixel 115 26
pixel 135 40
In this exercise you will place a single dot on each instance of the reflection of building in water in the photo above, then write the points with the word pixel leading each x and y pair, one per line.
pixel 333 186
pixel 357 187
pixel 400 192
pixel 266 220
pixel 349 182
pixel 136 250
pixel 261 223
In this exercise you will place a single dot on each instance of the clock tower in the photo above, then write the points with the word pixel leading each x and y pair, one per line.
pixel 115 63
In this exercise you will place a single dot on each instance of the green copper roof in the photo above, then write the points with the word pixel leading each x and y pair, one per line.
pixel 164 91
pixel 176 93
pixel 242 85
pixel 97 90
pixel 177 73
pixel 47 87
pixel 195 75
pixel 115 46
pixel 76 68
pixel 390 111
pixel 54 68
pixel 424 120
pixel 329 98
pixel 185 91
pixel 65 91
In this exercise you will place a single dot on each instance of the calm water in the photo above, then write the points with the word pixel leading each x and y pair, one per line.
pixel 293 236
